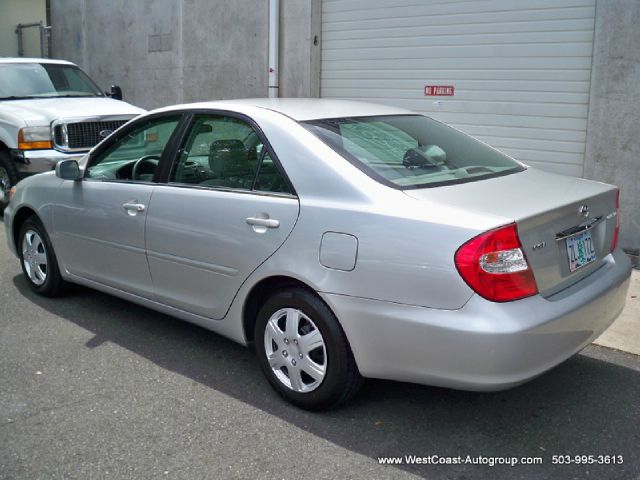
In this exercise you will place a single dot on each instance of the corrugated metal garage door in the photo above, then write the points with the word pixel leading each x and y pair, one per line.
pixel 520 69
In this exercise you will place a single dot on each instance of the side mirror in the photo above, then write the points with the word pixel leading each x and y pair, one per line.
pixel 68 170
pixel 115 92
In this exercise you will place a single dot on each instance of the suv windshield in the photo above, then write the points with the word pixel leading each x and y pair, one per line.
pixel 44 80
pixel 412 151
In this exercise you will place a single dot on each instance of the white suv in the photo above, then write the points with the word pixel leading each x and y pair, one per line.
pixel 50 110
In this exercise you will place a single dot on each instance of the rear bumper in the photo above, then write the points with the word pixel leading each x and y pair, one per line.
pixel 484 345
pixel 29 162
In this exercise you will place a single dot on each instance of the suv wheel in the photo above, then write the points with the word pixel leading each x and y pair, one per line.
pixel 8 178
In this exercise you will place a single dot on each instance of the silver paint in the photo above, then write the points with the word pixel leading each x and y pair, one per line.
pixel 192 253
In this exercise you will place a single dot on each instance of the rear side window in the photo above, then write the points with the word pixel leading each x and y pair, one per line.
pixel 226 152
pixel 412 151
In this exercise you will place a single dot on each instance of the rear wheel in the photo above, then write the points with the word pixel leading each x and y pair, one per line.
pixel 8 178
pixel 303 351
pixel 38 260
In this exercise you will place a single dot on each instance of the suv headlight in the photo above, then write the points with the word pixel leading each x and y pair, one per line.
pixel 33 138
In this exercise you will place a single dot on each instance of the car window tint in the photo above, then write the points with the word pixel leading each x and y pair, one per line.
pixel 377 142
pixel 269 178
pixel 224 152
pixel 412 151
pixel 136 155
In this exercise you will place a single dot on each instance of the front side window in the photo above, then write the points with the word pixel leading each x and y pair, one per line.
pixel 412 151
pixel 226 152
pixel 44 80
pixel 136 154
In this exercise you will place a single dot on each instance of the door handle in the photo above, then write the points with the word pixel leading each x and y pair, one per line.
pixel 263 222
pixel 134 207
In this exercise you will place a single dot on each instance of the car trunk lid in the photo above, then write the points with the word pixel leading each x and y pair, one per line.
pixel 560 220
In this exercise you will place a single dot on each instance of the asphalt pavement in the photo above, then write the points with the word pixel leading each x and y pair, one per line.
pixel 95 387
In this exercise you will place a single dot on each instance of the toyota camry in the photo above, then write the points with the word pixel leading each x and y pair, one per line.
pixel 343 240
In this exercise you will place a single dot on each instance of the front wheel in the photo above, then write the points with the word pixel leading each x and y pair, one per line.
pixel 303 352
pixel 38 260
pixel 8 178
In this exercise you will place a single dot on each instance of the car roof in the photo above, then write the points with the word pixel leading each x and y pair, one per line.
pixel 33 60
pixel 301 109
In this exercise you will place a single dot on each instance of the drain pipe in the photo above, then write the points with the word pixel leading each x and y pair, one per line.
pixel 274 46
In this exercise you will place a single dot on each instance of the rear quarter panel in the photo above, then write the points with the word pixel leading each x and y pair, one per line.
pixel 398 259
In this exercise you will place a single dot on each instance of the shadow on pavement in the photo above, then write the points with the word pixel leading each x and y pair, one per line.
pixel 583 407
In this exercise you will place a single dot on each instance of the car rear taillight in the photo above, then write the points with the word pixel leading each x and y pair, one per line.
pixel 494 266
pixel 614 239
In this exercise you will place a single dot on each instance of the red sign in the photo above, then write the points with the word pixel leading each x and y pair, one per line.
pixel 438 90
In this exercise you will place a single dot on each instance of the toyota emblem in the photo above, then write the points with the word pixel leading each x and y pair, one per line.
pixel 584 210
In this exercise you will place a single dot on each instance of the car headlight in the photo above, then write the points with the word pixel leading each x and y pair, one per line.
pixel 33 138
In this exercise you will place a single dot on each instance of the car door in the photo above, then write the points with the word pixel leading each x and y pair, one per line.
pixel 99 221
pixel 227 207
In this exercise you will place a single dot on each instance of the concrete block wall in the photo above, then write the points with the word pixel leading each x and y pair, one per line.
pixel 13 12
pixel 163 52
pixel 132 44
pixel 613 130
pixel 300 37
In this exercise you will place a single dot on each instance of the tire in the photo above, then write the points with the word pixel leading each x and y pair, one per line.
pixel 310 365
pixel 38 260
pixel 8 178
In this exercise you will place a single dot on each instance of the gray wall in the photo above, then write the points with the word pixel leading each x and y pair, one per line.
pixel 137 50
pixel 300 36
pixel 163 52
pixel 613 131
pixel 14 12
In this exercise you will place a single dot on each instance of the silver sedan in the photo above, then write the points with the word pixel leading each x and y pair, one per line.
pixel 343 239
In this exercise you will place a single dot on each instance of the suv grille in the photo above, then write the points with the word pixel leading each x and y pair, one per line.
pixel 84 135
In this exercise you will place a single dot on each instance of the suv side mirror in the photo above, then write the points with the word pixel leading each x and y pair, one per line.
pixel 115 92
pixel 68 170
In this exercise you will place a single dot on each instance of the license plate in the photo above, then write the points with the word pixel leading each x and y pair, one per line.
pixel 580 250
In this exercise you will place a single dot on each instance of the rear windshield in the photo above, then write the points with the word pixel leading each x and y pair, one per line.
pixel 411 151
